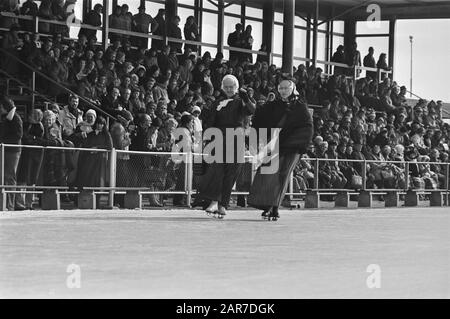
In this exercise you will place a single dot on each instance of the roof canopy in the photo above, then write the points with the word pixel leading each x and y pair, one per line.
pixel 357 9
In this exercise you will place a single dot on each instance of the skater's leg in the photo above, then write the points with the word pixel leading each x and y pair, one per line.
pixel 231 172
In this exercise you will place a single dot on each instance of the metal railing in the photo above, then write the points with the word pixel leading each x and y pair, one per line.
pixel 157 173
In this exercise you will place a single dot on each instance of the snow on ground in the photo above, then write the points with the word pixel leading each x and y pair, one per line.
pixel 185 254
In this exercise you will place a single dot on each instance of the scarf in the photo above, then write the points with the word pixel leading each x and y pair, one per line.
pixel 223 103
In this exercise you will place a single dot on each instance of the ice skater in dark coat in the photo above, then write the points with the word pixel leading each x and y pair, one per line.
pixel 291 115
pixel 221 174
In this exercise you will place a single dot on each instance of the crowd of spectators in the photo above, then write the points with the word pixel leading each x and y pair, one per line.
pixel 132 98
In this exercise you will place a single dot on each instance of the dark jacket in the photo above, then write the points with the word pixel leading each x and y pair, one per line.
pixel 11 132
pixel 232 115
pixel 296 128
pixel 94 19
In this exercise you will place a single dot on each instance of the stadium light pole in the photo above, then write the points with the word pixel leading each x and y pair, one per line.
pixel 411 66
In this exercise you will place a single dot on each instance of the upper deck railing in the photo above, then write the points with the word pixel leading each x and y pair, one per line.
pixel 271 55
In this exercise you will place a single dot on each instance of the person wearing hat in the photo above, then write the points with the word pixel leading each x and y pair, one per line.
pixel 198 126
pixel 221 174
pixel 141 23
pixel 291 115
pixel 84 128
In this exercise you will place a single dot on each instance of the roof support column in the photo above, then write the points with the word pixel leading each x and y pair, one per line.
pixel 288 36
pixel 105 25
pixel 171 12
pixel 391 54
pixel 316 25
pixel 220 25
pixel 267 28
pixel 308 40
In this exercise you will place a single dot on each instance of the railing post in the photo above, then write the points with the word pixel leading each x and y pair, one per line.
pixel 33 87
pixel 2 150
pixel 447 176
pixel 188 178
pixel 36 24
pixel 291 186
pixel 406 175
pixel 105 24
pixel 112 176
pixel 364 175
pixel 316 174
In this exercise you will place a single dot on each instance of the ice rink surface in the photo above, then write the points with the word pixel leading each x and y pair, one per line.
pixel 185 254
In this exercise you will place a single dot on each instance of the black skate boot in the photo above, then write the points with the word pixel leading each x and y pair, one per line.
pixel 274 215
pixel 221 212
pixel 265 213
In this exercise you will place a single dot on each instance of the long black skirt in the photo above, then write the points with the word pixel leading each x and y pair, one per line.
pixel 268 190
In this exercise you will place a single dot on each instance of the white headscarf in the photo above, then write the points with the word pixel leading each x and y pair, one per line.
pixel 235 81
pixel 232 78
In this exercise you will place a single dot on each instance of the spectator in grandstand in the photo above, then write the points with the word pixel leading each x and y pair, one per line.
pixel 141 23
pixel 84 128
pixel 92 165
pixel 93 18
pixel 60 13
pixel 53 164
pixel 159 91
pixel 163 59
pixel 185 71
pixel 121 141
pixel 12 45
pixel 145 168
pixel 31 159
pixel 127 19
pixel 11 132
pixel 11 6
pixel 369 61
pixel 234 40
pixel 45 12
pixel 191 33
pixel 29 8
pixel 339 57
pixel 262 57
pixel 185 136
pixel 160 30
pixel 382 63
pixel 353 58
pixel 116 21
pixel 174 31
pixel 70 116
pixel 247 43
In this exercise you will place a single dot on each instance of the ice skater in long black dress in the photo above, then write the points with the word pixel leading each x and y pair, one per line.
pixel 291 115
pixel 228 113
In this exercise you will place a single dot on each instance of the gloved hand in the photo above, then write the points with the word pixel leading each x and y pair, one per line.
pixel 244 95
